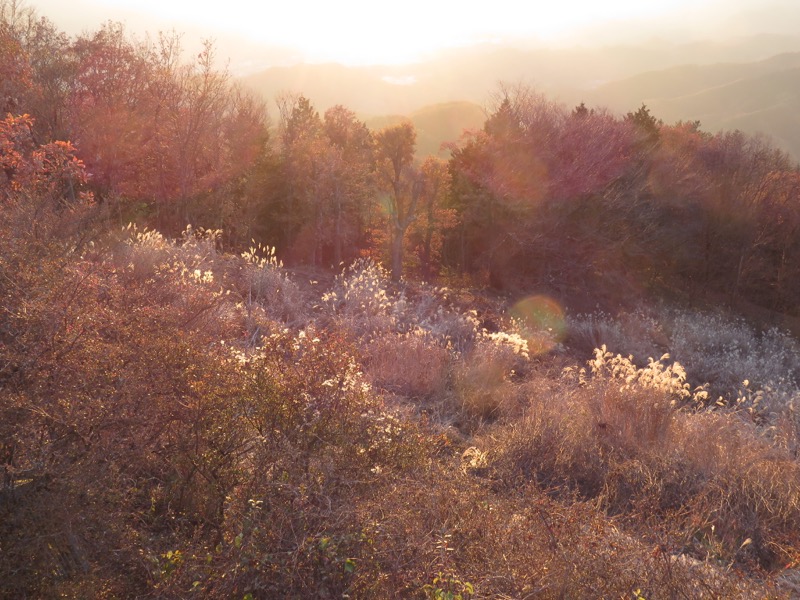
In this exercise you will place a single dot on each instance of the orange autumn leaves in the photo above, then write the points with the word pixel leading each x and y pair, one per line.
pixel 51 169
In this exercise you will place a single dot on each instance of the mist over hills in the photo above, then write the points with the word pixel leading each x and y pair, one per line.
pixel 688 79
pixel 759 97
pixel 471 73
pixel 436 124
pixel 750 83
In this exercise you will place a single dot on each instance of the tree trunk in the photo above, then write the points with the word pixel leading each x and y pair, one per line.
pixel 397 253
pixel 428 242
pixel 337 233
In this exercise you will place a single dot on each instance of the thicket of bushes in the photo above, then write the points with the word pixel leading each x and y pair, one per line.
pixel 189 423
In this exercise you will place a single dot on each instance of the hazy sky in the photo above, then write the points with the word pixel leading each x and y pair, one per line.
pixel 373 31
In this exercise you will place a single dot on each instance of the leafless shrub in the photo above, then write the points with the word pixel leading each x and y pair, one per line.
pixel 412 364
pixel 261 281
pixel 482 379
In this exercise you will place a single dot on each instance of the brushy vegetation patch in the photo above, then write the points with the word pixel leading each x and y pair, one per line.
pixel 715 348
pixel 709 482
pixel 185 422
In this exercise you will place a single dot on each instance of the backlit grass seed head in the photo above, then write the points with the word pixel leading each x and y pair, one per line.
pixel 669 379
pixel 716 350
pixel 515 342
pixel 202 276
pixel 262 256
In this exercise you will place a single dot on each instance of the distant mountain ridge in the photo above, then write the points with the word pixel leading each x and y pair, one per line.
pixel 759 97
pixel 751 92
pixel 688 79
pixel 436 124
pixel 471 73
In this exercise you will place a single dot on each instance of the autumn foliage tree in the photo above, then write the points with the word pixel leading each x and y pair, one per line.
pixel 402 185
pixel 48 173
pixel 105 111
pixel 517 183
pixel 162 138
pixel 326 165
pixel 169 135
pixel 435 218
pixel 15 75
pixel 298 208
pixel 350 166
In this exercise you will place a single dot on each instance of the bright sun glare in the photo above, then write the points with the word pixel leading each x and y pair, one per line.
pixel 360 32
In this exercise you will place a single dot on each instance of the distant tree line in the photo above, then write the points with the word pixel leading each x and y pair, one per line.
pixel 542 197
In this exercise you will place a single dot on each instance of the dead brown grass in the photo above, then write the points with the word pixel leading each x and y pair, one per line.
pixel 709 483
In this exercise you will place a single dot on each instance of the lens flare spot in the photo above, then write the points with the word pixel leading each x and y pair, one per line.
pixel 542 322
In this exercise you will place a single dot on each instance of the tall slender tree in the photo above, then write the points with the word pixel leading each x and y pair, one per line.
pixel 402 184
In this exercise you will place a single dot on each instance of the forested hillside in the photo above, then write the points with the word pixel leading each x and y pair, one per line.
pixel 250 357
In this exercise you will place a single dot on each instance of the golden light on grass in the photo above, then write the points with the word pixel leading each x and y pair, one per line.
pixel 542 322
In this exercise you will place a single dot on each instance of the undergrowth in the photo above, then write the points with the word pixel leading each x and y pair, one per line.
pixel 179 422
